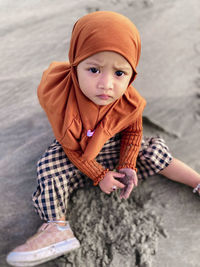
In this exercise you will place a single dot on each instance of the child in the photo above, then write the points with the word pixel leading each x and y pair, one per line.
pixel 96 116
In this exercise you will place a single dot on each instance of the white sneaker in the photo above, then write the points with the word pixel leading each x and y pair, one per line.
pixel 50 242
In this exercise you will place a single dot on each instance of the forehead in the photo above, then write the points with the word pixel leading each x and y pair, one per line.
pixel 108 57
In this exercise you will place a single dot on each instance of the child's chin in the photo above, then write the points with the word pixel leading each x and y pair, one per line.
pixel 104 102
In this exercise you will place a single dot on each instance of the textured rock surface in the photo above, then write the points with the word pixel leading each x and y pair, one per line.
pixel 159 224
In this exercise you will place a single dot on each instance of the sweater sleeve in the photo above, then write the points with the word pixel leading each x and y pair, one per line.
pixel 91 168
pixel 130 145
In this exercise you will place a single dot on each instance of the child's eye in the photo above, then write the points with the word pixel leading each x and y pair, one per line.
pixel 94 70
pixel 119 73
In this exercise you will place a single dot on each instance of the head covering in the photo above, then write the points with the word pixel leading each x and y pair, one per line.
pixel 105 31
pixel 70 112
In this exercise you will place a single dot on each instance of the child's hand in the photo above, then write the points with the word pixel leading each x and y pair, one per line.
pixel 109 182
pixel 130 180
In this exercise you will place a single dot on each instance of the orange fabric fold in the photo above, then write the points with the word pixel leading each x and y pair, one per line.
pixel 72 114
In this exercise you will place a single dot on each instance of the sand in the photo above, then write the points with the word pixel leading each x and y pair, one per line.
pixel 159 224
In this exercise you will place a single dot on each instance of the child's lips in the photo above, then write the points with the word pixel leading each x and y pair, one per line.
pixel 103 97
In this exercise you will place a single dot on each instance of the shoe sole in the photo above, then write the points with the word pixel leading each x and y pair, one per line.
pixel 33 258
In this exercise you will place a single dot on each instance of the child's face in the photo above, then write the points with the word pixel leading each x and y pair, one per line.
pixel 104 77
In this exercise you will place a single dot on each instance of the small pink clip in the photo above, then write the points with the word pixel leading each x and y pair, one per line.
pixel 90 133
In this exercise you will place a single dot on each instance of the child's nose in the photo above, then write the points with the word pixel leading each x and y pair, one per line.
pixel 105 82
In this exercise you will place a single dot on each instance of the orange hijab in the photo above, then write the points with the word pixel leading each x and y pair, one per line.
pixel 69 111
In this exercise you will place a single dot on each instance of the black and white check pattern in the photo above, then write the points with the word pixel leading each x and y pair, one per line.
pixel 153 157
pixel 58 177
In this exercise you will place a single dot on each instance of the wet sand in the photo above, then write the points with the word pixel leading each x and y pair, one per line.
pixel 159 224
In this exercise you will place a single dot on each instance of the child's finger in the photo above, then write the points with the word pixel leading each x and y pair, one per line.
pixel 128 191
pixel 119 185
pixel 122 193
pixel 125 193
pixel 135 180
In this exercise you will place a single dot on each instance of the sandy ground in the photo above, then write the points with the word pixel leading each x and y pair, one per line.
pixel 159 224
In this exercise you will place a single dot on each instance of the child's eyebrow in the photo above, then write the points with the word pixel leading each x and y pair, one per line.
pixel 93 63
pixel 122 67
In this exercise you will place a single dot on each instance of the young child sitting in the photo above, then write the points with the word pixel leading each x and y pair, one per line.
pixel 96 117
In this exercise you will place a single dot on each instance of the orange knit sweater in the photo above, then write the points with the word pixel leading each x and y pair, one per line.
pixel 130 145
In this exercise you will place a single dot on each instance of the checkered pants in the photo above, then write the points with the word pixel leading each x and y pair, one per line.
pixel 58 177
